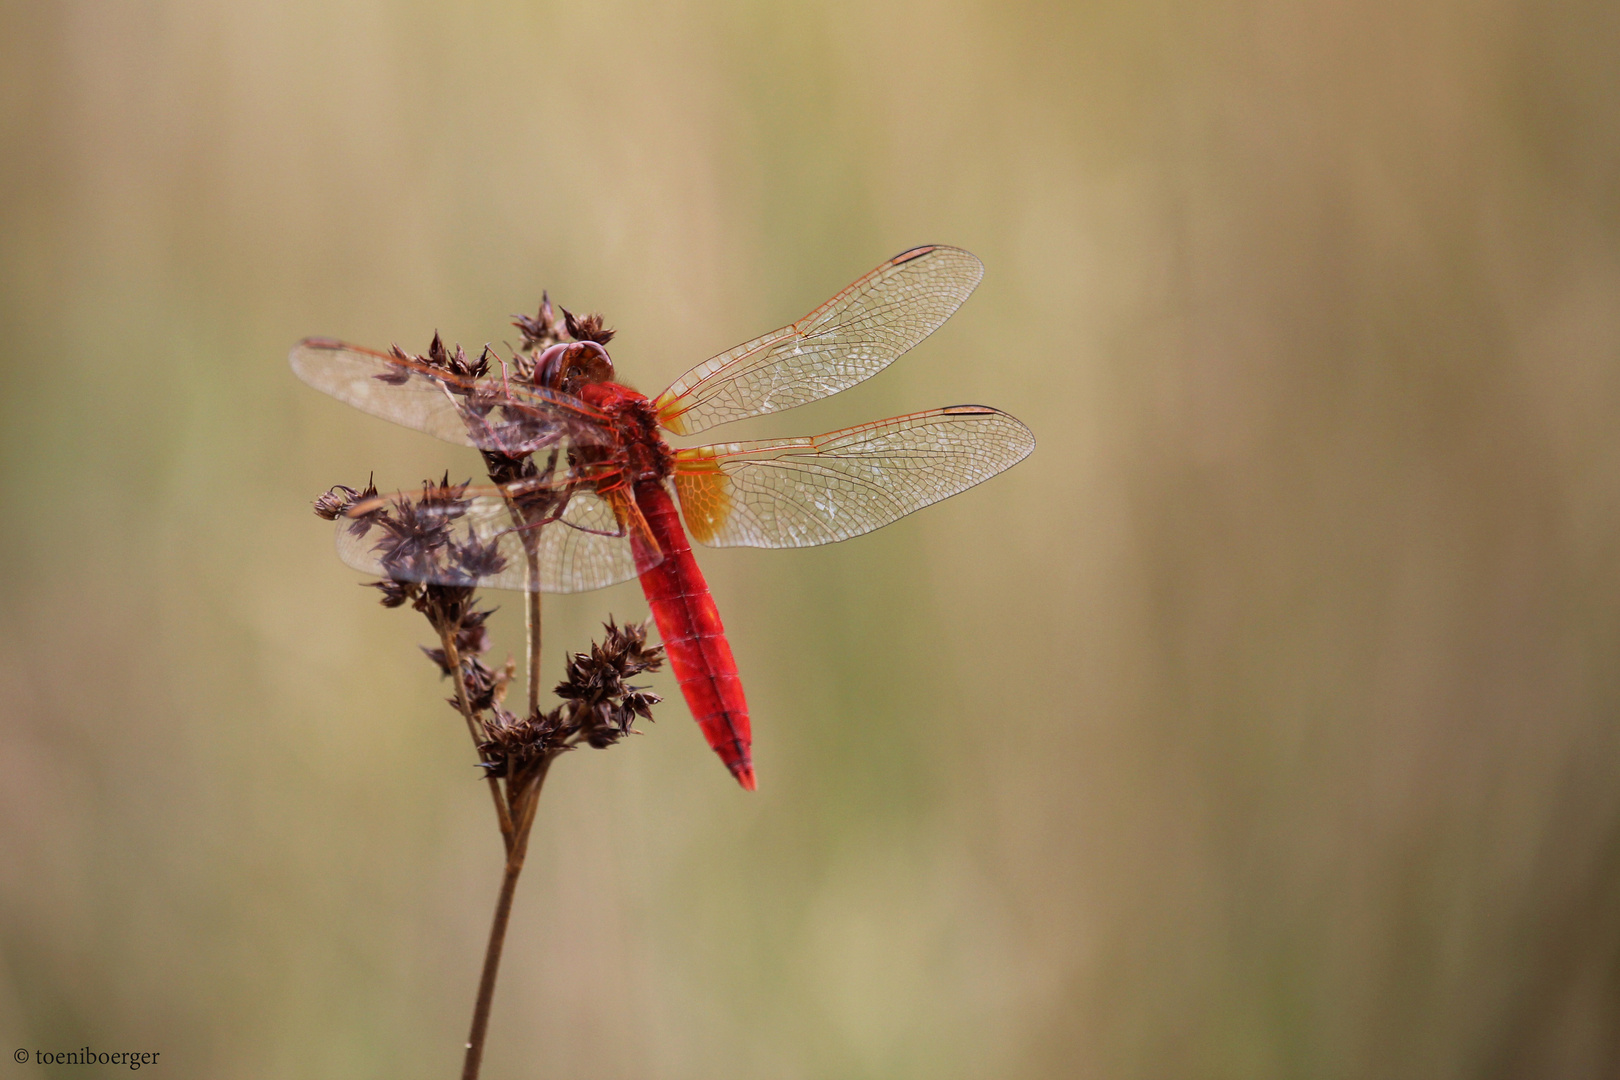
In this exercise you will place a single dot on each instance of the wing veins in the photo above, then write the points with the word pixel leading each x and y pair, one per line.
pixel 848 339
pixel 807 491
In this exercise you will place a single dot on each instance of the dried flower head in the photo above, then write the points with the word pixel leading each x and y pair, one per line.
pixel 605 704
pixel 456 363
pixel 471 636
pixel 395 593
pixel 600 706
pixel 339 499
pixel 417 537
pixel 540 330
pixel 586 328
pixel 512 742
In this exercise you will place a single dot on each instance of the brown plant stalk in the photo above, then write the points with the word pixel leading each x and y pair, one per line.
pixel 517 849
pixel 447 641
pixel 434 549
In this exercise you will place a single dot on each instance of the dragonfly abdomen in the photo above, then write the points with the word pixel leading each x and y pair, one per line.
pixel 693 636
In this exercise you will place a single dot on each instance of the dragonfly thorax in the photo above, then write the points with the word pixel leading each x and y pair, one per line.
pixel 638 445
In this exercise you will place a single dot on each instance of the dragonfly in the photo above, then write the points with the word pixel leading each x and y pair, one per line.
pixel 591 493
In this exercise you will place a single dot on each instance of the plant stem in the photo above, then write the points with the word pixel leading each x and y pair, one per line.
pixel 452 658
pixel 517 810
pixel 523 811
pixel 532 624
pixel 531 583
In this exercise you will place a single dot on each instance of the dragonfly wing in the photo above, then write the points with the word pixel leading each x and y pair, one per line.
pixel 803 492
pixel 476 540
pixel 490 413
pixel 589 548
pixel 848 339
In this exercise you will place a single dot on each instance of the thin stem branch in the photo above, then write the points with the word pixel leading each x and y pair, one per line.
pixel 517 820
pixel 452 658
pixel 532 625
pixel 523 809
pixel 526 530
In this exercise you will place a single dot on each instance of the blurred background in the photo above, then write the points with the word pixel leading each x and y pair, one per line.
pixel 1262 724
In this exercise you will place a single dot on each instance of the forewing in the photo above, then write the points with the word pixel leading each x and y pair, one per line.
pixel 803 492
pixel 848 339
pixel 490 413
pixel 476 541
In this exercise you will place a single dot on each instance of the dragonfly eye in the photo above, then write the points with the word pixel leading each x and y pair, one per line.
pixel 569 365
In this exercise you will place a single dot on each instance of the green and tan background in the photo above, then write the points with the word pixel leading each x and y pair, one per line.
pixel 1263 724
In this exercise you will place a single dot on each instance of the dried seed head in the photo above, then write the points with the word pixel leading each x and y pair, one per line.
pixel 395 593
pixel 605 704
pixel 339 498
pixel 472 636
pixel 417 534
pixel 471 369
pixel 600 707
pixel 512 743
pixel 484 686
pixel 540 330
pixel 586 328
pixel 401 376
pixel 506 468
pixel 477 560
pixel 438 356
pixel 444 605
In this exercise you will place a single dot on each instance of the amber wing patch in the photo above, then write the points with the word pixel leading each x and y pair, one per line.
pixel 704 490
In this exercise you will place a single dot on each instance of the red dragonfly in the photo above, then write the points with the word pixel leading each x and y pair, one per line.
pixel 589 485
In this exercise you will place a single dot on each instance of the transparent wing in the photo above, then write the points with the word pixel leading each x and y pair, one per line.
pixel 848 339
pixel 803 492
pixel 490 413
pixel 475 539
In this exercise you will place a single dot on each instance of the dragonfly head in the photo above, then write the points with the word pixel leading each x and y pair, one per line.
pixel 570 365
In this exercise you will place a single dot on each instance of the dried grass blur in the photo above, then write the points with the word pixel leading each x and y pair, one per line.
pixel 1261 725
